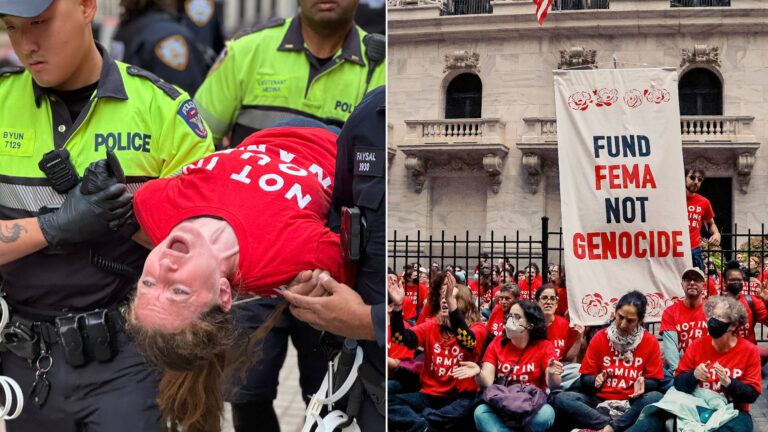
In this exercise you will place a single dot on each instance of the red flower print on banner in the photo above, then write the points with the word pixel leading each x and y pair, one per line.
pixel 657 96
pixel 657 303
pixel 605 97
pixel 594 305
pixel 633 98
pixel 580 100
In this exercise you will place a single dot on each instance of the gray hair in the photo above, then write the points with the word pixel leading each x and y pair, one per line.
pixel 734 310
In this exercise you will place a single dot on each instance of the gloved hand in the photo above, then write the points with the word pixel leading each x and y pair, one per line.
pixel 100 175
pixel 85 217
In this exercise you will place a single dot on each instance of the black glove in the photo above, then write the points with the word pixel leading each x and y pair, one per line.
pixel 85 217
pixel 104 173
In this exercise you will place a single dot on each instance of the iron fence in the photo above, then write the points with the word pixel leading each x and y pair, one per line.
pixel 699 3
pixel 566 5
pixel 466 7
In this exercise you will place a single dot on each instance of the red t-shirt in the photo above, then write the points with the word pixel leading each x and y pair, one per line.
pixel 487 295
pixel 562 301
pixel 274 189
pixel 711 289
pixel 396 351
pixel 752 287
pixel 442 355
pixel 413 297
pixel 622 374
pixel 562 336
pixel 495 322
pixel 742 362
pixel 532 365
pixel 524 291
pixel 689 324
pixel 747 331
pixel 699 210
pixel 426 313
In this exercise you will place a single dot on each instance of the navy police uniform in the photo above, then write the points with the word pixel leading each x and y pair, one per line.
pixel 203 19
pixel 157 42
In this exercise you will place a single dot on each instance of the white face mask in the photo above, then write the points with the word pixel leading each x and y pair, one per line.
pixel 513 327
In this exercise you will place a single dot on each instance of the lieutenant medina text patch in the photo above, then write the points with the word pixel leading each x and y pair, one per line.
pixel 188 111
pixel 368 161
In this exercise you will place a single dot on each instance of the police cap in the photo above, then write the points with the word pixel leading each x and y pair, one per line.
pixel 24 8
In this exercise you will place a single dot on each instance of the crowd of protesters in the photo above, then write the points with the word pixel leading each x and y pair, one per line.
pixel 507 327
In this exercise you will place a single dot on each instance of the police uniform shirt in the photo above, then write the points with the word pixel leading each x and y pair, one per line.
pixel 268 75
pixel 203 19
pixel 152 127
pixel 158 43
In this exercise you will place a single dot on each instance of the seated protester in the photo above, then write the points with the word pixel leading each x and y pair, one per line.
pixel 623 362
pixel 402 370
pixel 557 278
pixel 530 282
pixel 444 402
pixel 682 323
pixel 566 340
pixel 756 311
pixel 482 288
pixel 713 280
pixel 522 353
pixel 508 295
pixel 415 293
pixel 437 287
pixel 209 247
pixel 720 361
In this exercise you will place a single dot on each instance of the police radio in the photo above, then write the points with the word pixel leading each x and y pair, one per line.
pixel 376 51
pixel 353 230
pixel 59 170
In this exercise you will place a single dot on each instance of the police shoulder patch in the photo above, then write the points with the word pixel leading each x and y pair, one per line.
pixel 167 88
pixel 223 55
pixel 199 11
pixel 173 52
pixel 188 111
pixel 274 22
pixel 11 70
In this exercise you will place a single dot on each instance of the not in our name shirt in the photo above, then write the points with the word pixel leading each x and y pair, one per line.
pixel 689 324
pixel 562 336
pixel 742 362
pixel 442 355
pixel 622 374
pixel 495 322
pixel 532 366
pixel 699 210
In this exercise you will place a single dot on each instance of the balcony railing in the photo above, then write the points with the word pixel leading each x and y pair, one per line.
pixel 466 7
pixel 699 3
pixel 566 5
pixel 479 130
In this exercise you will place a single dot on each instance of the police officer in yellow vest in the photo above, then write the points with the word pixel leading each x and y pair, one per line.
pixel 316 65
pixel 65 273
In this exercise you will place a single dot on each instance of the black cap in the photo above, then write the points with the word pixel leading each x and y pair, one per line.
pixel 24 8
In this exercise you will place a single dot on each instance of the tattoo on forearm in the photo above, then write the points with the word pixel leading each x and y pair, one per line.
pixel 11 233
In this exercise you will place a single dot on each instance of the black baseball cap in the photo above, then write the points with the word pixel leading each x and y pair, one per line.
pixel 24 8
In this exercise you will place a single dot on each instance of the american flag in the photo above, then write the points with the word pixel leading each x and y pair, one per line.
pixel 542 7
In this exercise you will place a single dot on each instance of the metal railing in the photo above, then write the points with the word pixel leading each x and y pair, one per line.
pixel 699 3
pixel 466 7
pixel 566 5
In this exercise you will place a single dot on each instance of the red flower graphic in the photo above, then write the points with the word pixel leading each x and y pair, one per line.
pixel 594 305
pixel 580 101
pixel 605 96
pixel 657 96
pixel 633 98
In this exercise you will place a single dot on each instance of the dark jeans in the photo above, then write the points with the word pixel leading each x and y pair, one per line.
pixel 580 408
pixel 416 412
pixel 697 261
pixel 655 423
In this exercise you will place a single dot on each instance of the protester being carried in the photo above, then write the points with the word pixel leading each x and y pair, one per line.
pixel 720 361
pixel 444 401
pixel 622 363
pixel 507 295
pixel 521 355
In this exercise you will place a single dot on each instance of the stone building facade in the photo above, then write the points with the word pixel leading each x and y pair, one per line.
pixel 499 172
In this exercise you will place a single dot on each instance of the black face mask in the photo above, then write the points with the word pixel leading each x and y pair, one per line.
pixel 415 280
pixel 734 287
pixel 717 328
pixel 712 272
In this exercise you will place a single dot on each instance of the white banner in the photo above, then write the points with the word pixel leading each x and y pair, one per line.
pixel 622 189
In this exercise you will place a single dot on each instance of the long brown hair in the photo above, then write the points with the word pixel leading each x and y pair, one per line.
pixel 198 363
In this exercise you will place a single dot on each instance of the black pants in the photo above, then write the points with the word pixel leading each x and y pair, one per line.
pixel 117 396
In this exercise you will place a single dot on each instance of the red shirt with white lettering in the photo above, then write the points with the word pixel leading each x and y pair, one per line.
pixel 274 189
pixel 622 374
pixel 395 351
pixel 562 336
pixel 525 292
pixel 689 324
pixel 414 296
pixel 495 322
pixel 532 366
pixel 747 331
pixel 742 362
pixel 487 295
pixel 699 210
pixel 442 355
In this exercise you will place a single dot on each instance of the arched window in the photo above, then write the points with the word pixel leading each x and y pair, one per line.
pixel 463 97
pixel 701 93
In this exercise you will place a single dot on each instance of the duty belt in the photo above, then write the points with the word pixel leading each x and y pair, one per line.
pixel 84 336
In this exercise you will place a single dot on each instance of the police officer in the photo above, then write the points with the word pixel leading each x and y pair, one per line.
pixel 152 37
pixel 65 274
pixel 203 19
pixel 359 182
pixel 317 65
